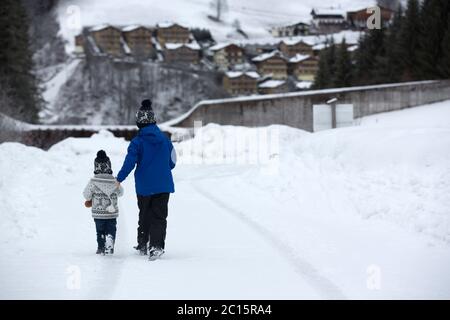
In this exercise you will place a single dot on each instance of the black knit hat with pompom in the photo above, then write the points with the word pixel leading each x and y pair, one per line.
pixel 145 115
pixel 102 164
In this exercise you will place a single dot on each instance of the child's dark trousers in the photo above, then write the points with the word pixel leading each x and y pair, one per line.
pixel 105 227
pixel 152 220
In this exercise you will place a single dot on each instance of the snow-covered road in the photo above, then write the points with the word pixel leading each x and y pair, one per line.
pixel 356 212
pixel 211 254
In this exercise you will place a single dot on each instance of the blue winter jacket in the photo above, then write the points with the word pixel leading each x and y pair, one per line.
pixel 154 155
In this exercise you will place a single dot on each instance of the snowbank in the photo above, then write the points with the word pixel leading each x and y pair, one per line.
pixel 398 172
pixel 27 171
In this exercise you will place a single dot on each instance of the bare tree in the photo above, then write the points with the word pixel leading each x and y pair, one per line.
pixel 220 7
pixel 237 24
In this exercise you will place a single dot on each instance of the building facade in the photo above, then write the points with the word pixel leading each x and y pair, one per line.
pixel 357 20
pixel 328 21
pixel 272 64
pixel 273 86
pixel 304 67
pixel 241 83
pixel 227 55
pixel 297 29
pixel 108 39
pixel 79 44
pixel 139 40
pixel 184 53
pixel 290 48
pixel 172 33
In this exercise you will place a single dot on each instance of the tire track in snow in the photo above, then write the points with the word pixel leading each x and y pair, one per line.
pixel 323 285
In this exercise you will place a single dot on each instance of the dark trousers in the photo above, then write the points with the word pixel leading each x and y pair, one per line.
pixel 152 219
pixel 103 228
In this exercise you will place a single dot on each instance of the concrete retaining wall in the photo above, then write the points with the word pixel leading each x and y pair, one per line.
pixel 295 109
pixel 292 109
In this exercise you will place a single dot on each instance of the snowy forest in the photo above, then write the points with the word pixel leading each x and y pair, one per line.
pixel 416 46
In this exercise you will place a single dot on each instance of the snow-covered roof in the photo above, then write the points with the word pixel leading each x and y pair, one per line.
pixel 269 55
pixel 101 27
pixel 351 37
pixel 237 74
pixel 319 46
pixel 298 58
pixel 220 46
pixel 329 12
pixel 352 48
pixel 174 46
pixel 293 41
pixel 304 84
pixel 193 45
pixel 300 23
pixel 165 24
pixel 168 24
pixel 133 27
pixel 272 84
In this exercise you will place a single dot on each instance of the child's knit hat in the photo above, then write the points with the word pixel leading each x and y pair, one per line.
pixel 102 164
pixel 145 114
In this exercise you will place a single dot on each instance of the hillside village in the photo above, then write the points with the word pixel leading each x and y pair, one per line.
pixel 288 63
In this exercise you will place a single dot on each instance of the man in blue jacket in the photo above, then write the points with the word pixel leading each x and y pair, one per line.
pixel 154 157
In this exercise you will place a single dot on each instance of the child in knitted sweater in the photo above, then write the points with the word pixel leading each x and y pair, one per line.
pixel 101 194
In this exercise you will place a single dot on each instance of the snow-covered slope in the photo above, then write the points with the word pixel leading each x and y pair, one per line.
pixel 53 87
pixel 255 16
pixel 358 212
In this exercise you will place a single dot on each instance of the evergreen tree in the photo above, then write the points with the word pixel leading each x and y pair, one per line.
pixel 433 24
pixel 326 69
pixel 16 63
pixel 393 68
pixel 416 45
pixel 371 50
pixel 322 75
pixel 381 68
pixel 331 61
pixel 410 34
pixel 444 62
pixel 343 76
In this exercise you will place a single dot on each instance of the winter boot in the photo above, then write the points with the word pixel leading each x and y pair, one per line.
pixel 142 248
pixel 109 244
pixel 100 251
pixel 155 253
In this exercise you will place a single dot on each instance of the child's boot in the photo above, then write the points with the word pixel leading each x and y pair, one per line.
pixel 155 253
pixel 109 244
pixel 142 248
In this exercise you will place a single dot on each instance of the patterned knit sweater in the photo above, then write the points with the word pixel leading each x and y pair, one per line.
pixel 103 192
